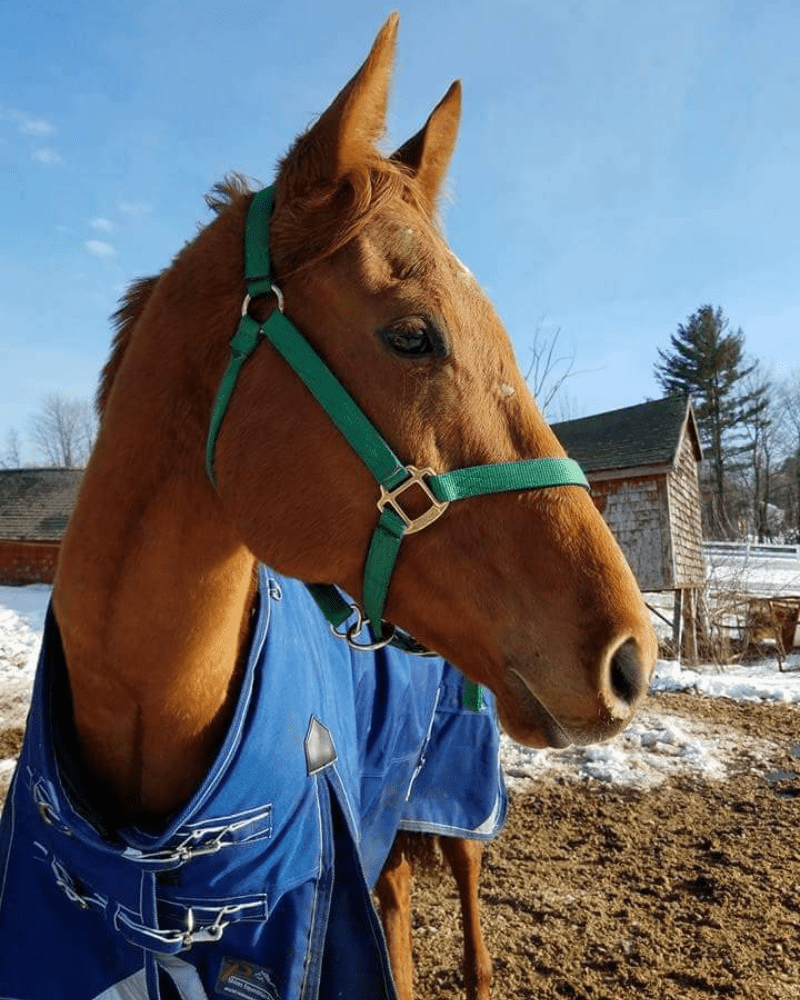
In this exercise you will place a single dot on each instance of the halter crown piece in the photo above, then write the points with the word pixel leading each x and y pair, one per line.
pixel 392 475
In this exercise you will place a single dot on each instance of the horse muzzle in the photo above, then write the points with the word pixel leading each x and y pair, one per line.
pixel 537 712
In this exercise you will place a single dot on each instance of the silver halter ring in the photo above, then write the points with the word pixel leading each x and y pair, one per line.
pixel 357 627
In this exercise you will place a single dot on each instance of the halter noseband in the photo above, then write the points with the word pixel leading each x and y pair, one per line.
pixel 392 476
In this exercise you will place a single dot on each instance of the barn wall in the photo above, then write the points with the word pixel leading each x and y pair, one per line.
pixel 27 562
pixel 685 516
pixel 637 512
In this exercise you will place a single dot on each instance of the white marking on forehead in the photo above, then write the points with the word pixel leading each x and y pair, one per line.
pixel 506 389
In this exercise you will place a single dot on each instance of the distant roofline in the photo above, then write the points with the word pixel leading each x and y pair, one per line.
pixel 36 502
pixel 644 436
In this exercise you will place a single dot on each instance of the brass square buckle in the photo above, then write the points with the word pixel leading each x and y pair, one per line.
pixel 435 511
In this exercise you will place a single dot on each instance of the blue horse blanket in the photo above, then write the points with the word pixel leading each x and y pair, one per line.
pixel 259 888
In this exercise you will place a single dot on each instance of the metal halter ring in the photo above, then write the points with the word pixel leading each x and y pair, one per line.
pixel 275 291
pixel 355 630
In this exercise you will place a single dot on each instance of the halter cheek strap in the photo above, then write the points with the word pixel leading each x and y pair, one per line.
pixel 393 477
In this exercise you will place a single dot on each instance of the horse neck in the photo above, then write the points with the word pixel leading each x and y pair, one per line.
pixel 152 598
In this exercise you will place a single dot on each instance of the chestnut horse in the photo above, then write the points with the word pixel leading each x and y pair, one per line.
pixel 525 589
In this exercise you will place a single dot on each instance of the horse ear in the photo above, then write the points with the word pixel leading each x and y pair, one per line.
pixel 428 153
pixel 346 133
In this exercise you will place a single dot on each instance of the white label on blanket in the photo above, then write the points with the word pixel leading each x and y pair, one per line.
pixel 245 981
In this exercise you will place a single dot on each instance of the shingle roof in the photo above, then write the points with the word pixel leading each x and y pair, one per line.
pixel 644 435
pixel 35 504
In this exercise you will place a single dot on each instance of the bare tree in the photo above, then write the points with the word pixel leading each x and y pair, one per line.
pixel 789 410
pixel 63 431
pixel 12 457
pixel 759 434
pixel 549 369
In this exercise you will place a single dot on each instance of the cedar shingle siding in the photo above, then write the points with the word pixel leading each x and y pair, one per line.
pixel 641 463
pixel 687 536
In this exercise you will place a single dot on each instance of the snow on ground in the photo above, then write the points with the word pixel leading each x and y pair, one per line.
pixel 653 747
pixel 762 681
pixel 22 611
pixel 657 745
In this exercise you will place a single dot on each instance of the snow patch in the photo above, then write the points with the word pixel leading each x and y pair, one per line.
pixel 762 681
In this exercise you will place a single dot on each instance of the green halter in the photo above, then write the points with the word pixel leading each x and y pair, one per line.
pixel 392 476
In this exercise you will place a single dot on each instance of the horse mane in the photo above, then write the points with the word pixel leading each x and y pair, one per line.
pixel 135 299
pixel 228 191
pixel 124 319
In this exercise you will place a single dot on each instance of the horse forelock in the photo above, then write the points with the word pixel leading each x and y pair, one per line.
pixel 313 221
pixel 313 224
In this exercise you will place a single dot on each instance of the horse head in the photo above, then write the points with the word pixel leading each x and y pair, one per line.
pixel 526 592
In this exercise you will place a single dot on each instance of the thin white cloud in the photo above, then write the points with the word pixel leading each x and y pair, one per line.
pixel 35 126
pixel 101 224
pixel 100 249
pixel 25 124
pixel 134 207
pixel 47 156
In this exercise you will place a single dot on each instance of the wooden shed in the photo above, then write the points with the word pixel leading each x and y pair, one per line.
pixel 642 464
pixel 35 505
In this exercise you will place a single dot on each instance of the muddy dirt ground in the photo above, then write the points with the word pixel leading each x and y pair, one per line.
pixel 691 890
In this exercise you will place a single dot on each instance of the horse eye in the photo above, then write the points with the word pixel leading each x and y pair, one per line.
pixel 414 339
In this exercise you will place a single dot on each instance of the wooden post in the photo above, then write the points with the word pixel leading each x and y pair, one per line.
pixel 677 622
pixel 689 644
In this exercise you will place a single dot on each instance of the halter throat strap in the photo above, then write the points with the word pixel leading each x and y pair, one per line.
pixel 392 476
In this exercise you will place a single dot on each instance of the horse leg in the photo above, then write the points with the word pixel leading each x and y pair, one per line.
pixel 464 858
pixel 393 890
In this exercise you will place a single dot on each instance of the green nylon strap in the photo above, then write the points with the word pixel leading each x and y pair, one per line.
pixel 381 557
pixel 257 264
pixel 376 454
pixel 337 610
pixel 460 484
pixel 243 343
pixel 472 698
pixel 530 474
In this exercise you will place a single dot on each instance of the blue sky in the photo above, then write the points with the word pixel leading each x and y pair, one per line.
pixel 621 163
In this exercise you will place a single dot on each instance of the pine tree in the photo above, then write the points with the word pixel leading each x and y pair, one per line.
pixel 706 362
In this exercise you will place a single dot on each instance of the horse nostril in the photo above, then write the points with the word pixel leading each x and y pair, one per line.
pixel 627 674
